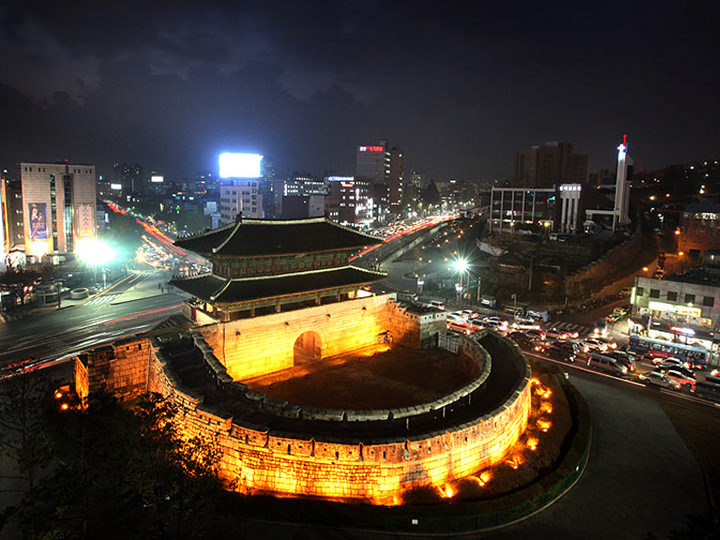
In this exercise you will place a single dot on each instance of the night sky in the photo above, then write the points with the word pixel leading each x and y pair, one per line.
pixel 458 86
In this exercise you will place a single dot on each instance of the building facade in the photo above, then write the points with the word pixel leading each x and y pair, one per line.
pixel 699 229
pixel 382 165
pixel 130 178
pixel 549 165
pixel 514 207
pixel 350 199
pixel 13 232
pixel 240 196
pixel 691 300
pixel 59 202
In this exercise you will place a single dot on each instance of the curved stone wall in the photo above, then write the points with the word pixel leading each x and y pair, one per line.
pixel 271 446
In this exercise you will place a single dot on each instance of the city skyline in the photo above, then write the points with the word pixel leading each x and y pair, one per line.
pixel 459 89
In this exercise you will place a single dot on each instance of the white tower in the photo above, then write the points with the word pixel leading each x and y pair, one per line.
pixel 622 188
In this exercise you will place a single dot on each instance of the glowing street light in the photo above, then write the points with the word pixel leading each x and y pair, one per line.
pixel 461 266
pixel 95 253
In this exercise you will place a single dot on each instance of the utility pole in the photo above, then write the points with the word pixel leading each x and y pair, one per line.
pixel 531 272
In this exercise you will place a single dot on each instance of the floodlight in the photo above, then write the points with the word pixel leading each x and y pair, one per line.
pixel 234 165
pixel 461 265
pixel 94 252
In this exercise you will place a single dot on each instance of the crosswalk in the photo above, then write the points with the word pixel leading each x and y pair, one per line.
pixel 581 329
pixel 101 299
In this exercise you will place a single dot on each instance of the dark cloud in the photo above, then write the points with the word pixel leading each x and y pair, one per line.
pixel 459 86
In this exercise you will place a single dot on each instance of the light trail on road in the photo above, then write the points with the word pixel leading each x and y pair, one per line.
pixel 414 228
pixel 141 314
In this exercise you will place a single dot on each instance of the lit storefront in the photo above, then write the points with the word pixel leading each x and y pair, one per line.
pixel 684 309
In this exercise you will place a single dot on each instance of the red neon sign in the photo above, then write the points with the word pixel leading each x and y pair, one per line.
pixel 372 149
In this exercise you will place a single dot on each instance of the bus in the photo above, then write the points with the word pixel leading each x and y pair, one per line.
pixel 655 347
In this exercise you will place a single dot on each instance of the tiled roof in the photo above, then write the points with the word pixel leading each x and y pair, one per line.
pixel 261 237
pixel 216 289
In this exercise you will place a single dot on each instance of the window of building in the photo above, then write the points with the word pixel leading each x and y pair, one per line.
pixel 689 298
pixel 654 293
pixel 672 296
pixel 709 301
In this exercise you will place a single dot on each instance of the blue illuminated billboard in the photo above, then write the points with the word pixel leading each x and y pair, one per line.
pixel 234 165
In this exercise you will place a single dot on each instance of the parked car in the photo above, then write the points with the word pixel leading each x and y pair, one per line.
pixel 558 333
pixel 523 341
pixel 659 379
pixel 538 335
pixel 624 358
pixel 459 328
pixel 477 325
pixel 610 344
pixel 688 383
pixel 558 352
pixel 592 344
pixel 667 362
pixel 495 322
pixel 605 363
pixel 525 323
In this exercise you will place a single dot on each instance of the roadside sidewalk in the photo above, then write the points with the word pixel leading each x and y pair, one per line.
pixel 155 284
pixel 151 284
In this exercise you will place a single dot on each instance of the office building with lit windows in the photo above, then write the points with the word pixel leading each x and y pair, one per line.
pixel 384 166
pixel 59 201
pixel 513 208
pixel 240 195
pixel 699 230
pixel 349 200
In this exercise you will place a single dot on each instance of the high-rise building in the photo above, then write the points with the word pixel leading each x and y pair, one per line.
pixel 11 214
pixel 549 165
pixel 304 185
pixel 59 202
pixel 350 199
pixel 130 177
pixel 240 186
pixel 240 196
pixel 384 166
pixel 270 202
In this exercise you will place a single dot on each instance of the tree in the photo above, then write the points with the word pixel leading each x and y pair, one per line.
pixel 123 473
pixel 20 282
pixel 23 441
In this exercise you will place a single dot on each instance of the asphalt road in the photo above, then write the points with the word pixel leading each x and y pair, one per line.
pixel 49 333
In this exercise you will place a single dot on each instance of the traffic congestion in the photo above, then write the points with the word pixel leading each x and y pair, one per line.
pixel 634 361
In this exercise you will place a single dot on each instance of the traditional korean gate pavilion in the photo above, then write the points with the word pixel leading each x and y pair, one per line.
pixel 266 266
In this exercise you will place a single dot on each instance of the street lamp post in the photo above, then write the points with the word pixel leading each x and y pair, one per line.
pixel 58 290
pixel 461 266
pixel 96 253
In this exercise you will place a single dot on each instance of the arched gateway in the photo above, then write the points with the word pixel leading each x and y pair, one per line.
pixel 308 347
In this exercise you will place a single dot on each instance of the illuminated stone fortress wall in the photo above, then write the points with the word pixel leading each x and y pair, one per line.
pixel 271 446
